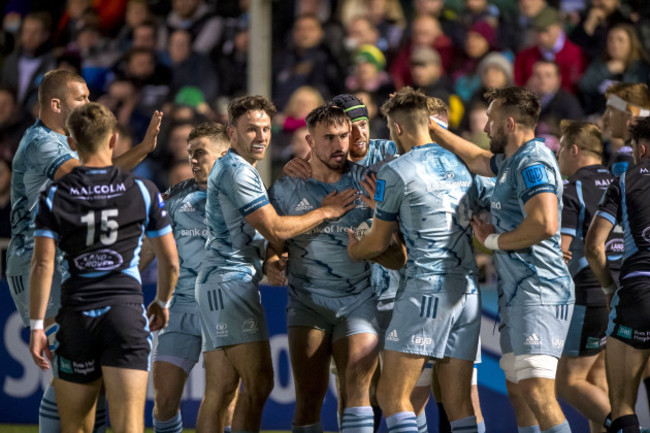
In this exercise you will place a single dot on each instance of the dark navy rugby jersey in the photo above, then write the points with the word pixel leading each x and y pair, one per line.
pixel 582 193
pixel 628 201
pixel 99 216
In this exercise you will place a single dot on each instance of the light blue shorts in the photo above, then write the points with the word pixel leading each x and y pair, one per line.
pixel 444 324
pixel 18 268
pixel 339 317
pixel 535 329
pixel 180 342
pixel 231 313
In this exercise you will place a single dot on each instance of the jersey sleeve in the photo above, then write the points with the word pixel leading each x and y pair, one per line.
pixel 534 176
pixel 46 156
pixel 389 194
pixel 246 190
pixel 158 222
pixel 45 223
pixel 571 209
pixel 496 162
pixel 388 148
pixel 610 204
pixel 277 195
pixel 484 188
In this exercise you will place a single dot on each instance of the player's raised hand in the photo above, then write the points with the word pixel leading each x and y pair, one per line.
pixel 158 316
pixel 151 137
pixel 298 167
pixel 369 183
pixel 38 345
pixel 336 204
pixel 481 229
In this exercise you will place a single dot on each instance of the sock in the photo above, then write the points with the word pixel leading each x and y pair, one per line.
pixel 376 410
pixel 481 427
pixel 443 421
pixel 530 429
pixel 172 425
pixel 100 413
pixel 626 424
pixel 48 412
pixel 560 428
pixel 310 428
pixel 358 419
pixel 422 423
pixel 227 429
pixel 465 425
pixel 402 422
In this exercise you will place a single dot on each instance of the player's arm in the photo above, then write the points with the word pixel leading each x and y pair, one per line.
pixel 298 167
pixel 164 248
pixel 146 255
pixel 277 229
pixel 595 251
pixel 565 243
pixel 275 264
pixel 541 222
pixel 375 242
pixel 66 168
pixel 476 159
pixel 40 282
pixel 129 160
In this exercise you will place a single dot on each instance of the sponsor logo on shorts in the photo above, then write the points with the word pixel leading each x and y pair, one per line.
pixel 65 365
pixel 595 343
pixel 495 205
pixel 646 234
pixel 83 367
pixel 304 205
pixel 533 340
pixel 249 326
pixel 222 329
pixel 421 341
pixel 558 342
pixel 291 312
pixel 100 260
pixel 392 336
pixel 641 336
pixel 624 332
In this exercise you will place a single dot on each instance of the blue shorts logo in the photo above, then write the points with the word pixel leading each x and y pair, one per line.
pixel 380 190
pixel 535 175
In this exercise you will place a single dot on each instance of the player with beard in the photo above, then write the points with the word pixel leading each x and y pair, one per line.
pixel 240 219
pixel 332 307
pixel 535 288
pixel 44 156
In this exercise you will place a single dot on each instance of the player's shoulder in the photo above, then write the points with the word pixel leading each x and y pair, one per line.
pixel 181 189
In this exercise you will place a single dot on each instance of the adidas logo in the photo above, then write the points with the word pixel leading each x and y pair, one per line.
pixel 304 205
pixel 393 336
pixel 187 207
pixel 533 340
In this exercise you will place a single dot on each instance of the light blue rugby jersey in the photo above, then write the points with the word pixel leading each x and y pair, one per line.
pixel 535 275
pixel 185 203
pixel 40 154
pixel 434 196
pixel 378 150
pixel 234 249
pixel 318 260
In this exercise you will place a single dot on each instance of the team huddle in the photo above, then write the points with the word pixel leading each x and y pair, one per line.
pixel 374 241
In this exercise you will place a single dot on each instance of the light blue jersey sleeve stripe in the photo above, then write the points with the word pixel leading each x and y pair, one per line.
pixel 46 234
pixel 609 217
pixel 146 198
pixel 157 233
pixel 50 197
pixel 568 231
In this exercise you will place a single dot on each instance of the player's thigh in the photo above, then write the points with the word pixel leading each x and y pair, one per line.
pixel 625 366
pixel 401 372
pixel 221 377
pixel 126 392
pixel 572 368
pixel 76 403
pixel 252 361
pixel 310 352
pixel 629 321
pixel 168 383
pixel 179 343
pixel 587 331
pixel 356 357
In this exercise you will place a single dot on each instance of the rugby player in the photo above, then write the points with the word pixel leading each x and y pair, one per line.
pixel 535 288
pixel 98 215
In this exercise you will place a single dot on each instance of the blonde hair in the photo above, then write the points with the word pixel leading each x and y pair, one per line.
pixel 585 135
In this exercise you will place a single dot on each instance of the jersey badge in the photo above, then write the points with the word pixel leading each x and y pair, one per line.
pixel 380 189
pixel 535 175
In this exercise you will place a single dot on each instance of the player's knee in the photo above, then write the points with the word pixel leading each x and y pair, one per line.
pixel 166 407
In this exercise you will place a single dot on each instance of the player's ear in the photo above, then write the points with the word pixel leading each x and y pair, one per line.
pixel 72 143
pixel 55 105
pixel 115 136
pixel 511 124
pixel 230 129
pixel 398 128
pixel 310 140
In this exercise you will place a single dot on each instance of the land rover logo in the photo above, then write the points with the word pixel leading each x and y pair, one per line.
pixel 646 234
pixel 615 246
pixel 100 260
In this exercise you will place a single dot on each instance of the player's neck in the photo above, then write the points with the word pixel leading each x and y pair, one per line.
pixel 517 139
pixel 50 121
pixel 418 138
pixel 99 159
pixel 323 173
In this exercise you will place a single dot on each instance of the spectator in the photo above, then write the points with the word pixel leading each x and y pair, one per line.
pixel 480 40
pixel 232 64
pixel 5 200
pixel 552 44
pixel 177 142
pixel 97 57
pixel 425 32
pixel 22 70
pixel 145 35
pixel 479 10
pixel 72 21
pixel 137 12
pixel 495 71
pixel 623 60
pixel 447 18
pixel 361 31
pixel 386 15
pixel 190 68
pixel 557 104
pixel 12 123
pixel 368 74
pixel 591 33
pixel 197 18
pixel 524 36
pixel 308 61
pixel 428 75
pixel 302 101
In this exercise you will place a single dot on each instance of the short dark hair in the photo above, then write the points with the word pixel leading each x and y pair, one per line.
pixel 212 130
pixel 518 102
pixel 409 100
pixel 548 62
pixel 640 130
pixel 90 125
pixel 585 135
pixel 329 114
pixel 243 104
pixel 55 84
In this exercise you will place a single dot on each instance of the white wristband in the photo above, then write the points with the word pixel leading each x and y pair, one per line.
pixel 609 289
pixel 163 304
pixel 492 242
pixel 35 324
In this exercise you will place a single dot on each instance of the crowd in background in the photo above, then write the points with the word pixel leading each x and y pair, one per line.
pixel 189 58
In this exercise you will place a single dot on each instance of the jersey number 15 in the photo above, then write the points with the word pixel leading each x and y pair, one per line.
pixel 108 227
